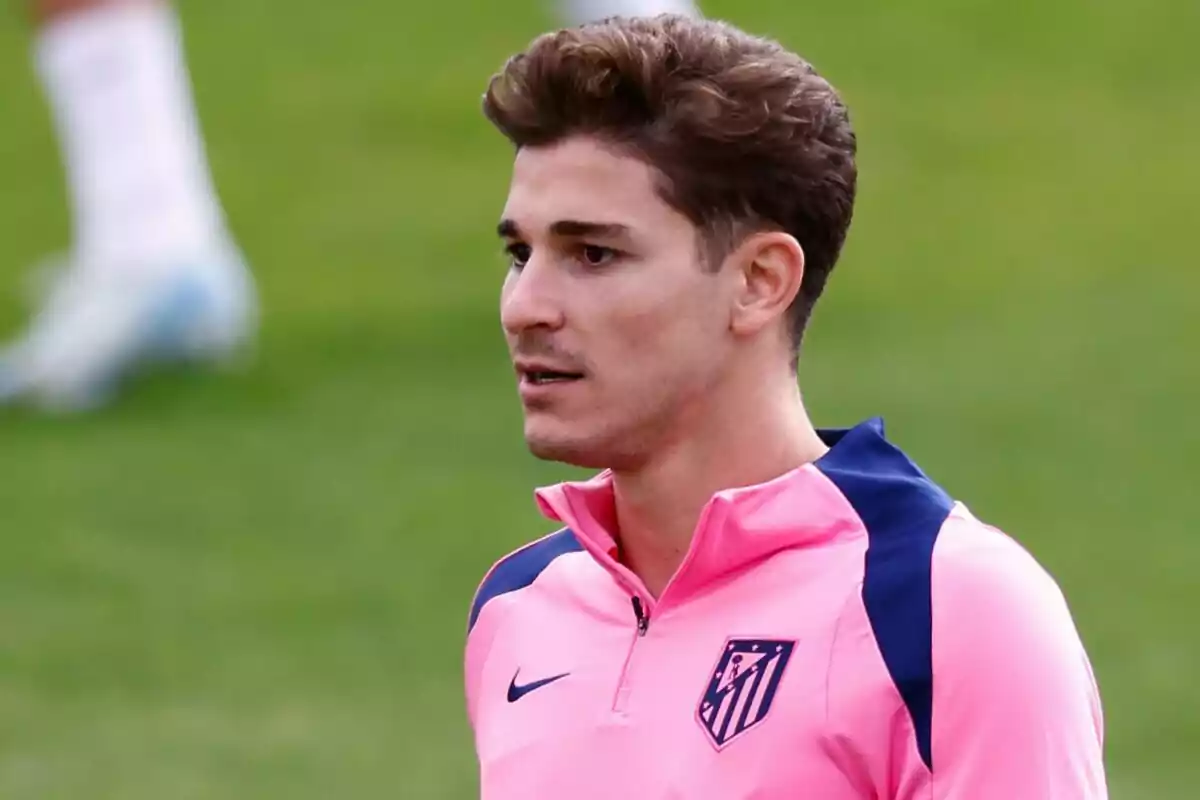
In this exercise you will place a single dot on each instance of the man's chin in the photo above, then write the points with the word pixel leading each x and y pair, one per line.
pixel 566 450
pixel 561 451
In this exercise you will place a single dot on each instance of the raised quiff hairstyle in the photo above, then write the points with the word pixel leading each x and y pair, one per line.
pixel 745 135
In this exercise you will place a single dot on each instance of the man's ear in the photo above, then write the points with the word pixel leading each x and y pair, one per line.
pixel 770 268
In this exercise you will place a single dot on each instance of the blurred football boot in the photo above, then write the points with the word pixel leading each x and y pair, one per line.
pixel 98 326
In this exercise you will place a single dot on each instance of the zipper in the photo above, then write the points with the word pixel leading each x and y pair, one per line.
pixel 642 608
pixel 639 613
pixel 641 617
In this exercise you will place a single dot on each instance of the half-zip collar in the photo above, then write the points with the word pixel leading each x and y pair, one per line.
pixel 737 527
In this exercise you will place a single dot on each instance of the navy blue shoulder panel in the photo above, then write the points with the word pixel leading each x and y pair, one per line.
pixel 903 512
pixel 522 567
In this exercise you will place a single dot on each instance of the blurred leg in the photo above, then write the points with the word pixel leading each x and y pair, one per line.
pixel 150 265
pixel 114 74
pixel 579 11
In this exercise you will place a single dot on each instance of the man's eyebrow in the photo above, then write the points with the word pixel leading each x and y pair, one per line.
pixel 508 229
pixel 574 227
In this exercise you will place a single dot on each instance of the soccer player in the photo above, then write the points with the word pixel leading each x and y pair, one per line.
pixel 738 604
pixel 153 274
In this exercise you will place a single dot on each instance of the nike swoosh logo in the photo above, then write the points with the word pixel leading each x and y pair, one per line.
pixel 516 692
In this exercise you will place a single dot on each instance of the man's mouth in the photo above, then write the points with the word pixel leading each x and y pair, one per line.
pixel 544 377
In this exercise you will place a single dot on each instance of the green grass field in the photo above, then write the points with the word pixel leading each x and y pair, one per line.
pixel 256 586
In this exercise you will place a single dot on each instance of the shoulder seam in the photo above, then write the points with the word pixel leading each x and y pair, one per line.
pixel 520 568
pixel 854 592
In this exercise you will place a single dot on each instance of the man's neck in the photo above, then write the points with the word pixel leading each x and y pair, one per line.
pixel 659 505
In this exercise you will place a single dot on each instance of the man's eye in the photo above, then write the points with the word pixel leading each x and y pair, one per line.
pixel 518 254
pixel 595 256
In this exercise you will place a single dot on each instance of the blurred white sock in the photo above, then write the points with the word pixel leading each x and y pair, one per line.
pixel 138 177
pixel 580 11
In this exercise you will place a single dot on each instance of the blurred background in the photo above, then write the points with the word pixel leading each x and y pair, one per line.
pixel 256 585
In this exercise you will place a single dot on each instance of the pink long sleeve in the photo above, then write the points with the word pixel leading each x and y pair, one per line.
pixel 1016 711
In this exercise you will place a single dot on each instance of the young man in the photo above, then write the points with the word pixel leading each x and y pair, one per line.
pixel 740 605
pixel 153 274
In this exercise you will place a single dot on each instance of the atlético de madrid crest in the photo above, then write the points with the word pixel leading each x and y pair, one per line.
pixel 743 687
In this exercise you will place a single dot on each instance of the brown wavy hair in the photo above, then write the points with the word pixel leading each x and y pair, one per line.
pixel 745 135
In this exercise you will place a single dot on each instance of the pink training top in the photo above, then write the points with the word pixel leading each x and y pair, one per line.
pixel 843 632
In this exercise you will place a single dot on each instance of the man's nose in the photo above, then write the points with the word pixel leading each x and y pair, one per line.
pixel 529 298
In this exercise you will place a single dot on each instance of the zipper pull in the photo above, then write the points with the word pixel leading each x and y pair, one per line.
pixel 643 619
